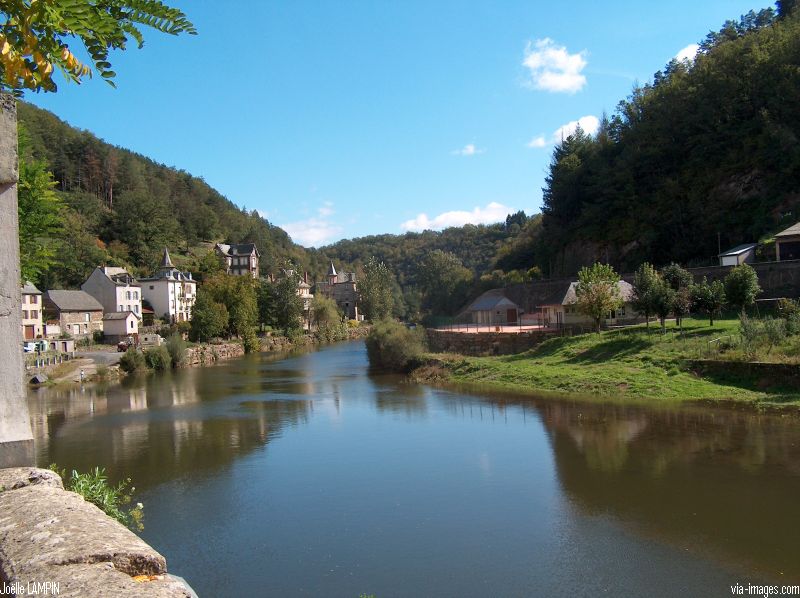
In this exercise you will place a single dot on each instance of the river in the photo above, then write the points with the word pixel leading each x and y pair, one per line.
pixel 307 476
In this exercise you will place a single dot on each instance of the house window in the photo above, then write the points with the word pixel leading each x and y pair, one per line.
pixel 86 328
pixel 87 317
pixel 136 294
pixel 136 310
pixel 152 287
pixel 131 324
pixel 76 328
pixel 34 299
pixel 128 295
pixel 24 314
pixel 34 314
pixel 621 312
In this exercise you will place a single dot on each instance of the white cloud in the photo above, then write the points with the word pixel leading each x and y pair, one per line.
pixel 263 213
pixel 553 68
pixel 326 210
pixel 312 232
pixel 467 150
pixel 589 124
pixel 539 141
pixel 687 53
pixel 494 212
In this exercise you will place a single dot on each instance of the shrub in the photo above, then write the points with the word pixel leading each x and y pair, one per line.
pixel 98 336
pixel 392 346
pixel 176 347
pixel 158 358
pixel 132 361
pixel 353 323
pixel 250 341
pixel 112 500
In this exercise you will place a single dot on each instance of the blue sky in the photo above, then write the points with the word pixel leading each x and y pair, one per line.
pixel 338 119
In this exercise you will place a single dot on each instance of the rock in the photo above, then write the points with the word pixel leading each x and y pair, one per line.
pixel 15 478
pixel 42 527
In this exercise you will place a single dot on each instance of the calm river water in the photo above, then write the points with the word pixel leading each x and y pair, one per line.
pixel 307 476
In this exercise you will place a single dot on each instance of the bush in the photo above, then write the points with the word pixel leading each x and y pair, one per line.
pixel 94 488
pixel 132 361
pixel 392 346
pixel 98 336
pixel 353 323
pixel 158 358
pixel 176 347
pixel 250 341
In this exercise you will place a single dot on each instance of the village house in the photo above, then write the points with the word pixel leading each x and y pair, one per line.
pixel 76 312
pixel 115 289
pixel 741 254
pixel 240 259
pixel 32 324
pixel 561 310
pixel 120 325
pixel 342 289
pixel 787 244
pixel 170 292
pixel 493 307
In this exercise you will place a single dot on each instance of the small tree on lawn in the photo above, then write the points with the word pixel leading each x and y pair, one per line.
pixel 645 282
pixel 741 287
pixel 708 299
pixel 598 292
pixel 680 281
pixel 664 302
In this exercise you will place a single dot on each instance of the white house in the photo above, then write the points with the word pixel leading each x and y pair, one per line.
pixel 741 254
pixel 32 325
pixel 119 325
pixel 170 292
pixel 115 289
pixel 560 309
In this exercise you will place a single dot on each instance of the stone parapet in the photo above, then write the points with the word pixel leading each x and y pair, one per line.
pixel 51 536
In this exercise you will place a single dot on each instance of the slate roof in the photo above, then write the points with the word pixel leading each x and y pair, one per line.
pixel 792 231
pixel 568 295
pixel 739 249
pixel 331 270
pixel 73 300
pixel 119 315
pixel 235 249
pixel 30 289
pixel 491 300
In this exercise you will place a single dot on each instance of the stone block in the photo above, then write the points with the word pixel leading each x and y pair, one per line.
pixel 45 527
pixel 9 169
pixel 15 478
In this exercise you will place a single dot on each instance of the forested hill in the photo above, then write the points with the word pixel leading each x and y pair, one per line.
pixel 709 147
pixel 119 207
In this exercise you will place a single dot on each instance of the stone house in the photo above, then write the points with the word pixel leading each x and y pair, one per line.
pixel 241 259
pixel 119 325
pixel 115 289
pixel 561 310
pixel 76 312
pixel 170 292
pixel 32 324
pixel 343 290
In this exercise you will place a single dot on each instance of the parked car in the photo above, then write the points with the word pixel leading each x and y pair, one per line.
pixel 29 347
pixel 123 346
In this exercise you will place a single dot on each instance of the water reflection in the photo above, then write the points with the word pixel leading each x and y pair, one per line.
pixel 324 468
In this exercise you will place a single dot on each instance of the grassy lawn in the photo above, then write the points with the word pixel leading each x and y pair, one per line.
pixel 633 363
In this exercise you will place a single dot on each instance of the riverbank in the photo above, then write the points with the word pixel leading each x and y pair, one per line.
pixel 631 363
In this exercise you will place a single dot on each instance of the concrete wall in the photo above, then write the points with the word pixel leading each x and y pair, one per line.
pixel 16 440
pixel 484 343
pixel 49 535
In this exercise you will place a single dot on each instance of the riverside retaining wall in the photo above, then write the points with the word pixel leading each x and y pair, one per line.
pixel 484 343
pixel 51 536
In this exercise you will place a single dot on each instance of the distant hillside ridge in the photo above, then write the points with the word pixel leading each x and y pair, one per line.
pixel 122 208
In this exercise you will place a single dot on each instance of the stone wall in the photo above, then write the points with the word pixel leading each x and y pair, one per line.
pixel 208 354
pixel 484 343
pixel 51 536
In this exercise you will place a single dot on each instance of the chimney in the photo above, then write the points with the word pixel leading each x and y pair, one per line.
pixel 305 277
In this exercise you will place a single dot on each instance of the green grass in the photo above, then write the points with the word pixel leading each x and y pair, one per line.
pixel 631 363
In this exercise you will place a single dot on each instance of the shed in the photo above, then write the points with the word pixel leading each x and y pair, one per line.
pixel 741 254
pixel 119 325
pixel 787 244
pixel 493 307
